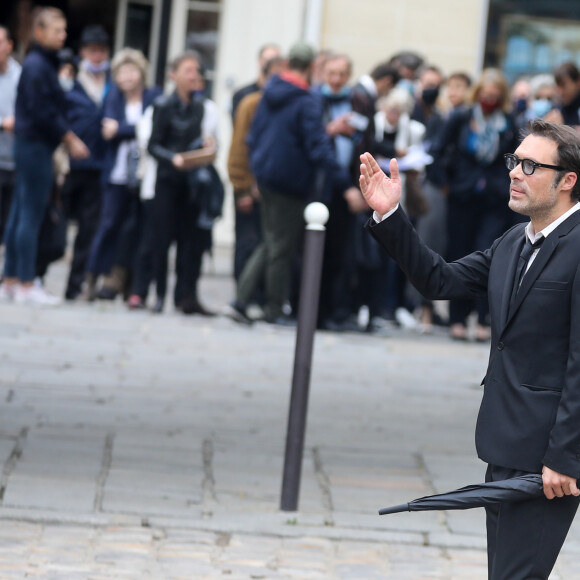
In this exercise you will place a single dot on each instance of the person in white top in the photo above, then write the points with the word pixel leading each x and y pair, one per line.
pixel 124 106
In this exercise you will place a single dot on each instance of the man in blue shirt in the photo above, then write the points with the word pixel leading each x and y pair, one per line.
pixel 39 127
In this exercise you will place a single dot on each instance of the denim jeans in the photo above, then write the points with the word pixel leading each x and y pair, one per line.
pixel 34 179
pixel 114 212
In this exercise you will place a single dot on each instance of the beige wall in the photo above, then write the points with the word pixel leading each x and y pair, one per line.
pixel 447 33
pixel 245 26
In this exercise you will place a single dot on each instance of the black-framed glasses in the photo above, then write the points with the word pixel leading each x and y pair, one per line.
pixel 528 165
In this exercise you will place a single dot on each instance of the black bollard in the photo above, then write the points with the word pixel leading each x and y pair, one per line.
pixel 316 215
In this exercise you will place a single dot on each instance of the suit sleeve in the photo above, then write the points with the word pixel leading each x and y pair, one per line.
pixel 563 454
pixel 431 275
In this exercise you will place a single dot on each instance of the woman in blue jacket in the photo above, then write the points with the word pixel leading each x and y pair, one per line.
pixel 124 106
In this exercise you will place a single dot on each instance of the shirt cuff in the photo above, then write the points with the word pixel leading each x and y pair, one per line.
pixel 378 219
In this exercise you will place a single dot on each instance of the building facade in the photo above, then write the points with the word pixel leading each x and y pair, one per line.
pixel 519 36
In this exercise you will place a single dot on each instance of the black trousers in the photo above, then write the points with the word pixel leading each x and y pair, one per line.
pixel 81 197
pixel 525 538
pixel 175 220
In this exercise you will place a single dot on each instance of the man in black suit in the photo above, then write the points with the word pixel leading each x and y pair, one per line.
pixel 529 420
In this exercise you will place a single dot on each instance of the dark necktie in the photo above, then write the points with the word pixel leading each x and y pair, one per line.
pixel 524 258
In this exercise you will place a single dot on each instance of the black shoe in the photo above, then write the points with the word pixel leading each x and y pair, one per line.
pixel 106 293
pixel 72 294
pixel 157 308
pixel 193 306
pixel 238 314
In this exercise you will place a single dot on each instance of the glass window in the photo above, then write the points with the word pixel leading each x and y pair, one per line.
pixel 138 26
pixel 527 37
pixel 203 34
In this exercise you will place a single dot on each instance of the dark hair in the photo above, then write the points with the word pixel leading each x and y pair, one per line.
pixel 431 68
pixel 460 76
pixel 67 56
pixel 568 148
pixel 186 55
pixel 407 59
pixel 566 70
pixel 6 31
pixel 384 70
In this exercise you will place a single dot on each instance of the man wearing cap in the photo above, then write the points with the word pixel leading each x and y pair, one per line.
pixel 293 160
pixel 82 190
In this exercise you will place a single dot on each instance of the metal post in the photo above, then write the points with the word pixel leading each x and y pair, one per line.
pixel 316 215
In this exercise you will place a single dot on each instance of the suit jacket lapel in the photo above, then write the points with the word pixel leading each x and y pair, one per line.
pixel 539 263
pixel 509 278
pixel 534 270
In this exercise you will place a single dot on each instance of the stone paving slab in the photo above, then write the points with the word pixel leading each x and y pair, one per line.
pixel 136 446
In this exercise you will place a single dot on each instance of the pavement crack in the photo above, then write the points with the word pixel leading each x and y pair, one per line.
pixel 104 473
pixel 11 462
pixel 428 480
pixel 208 484
pixel 324 486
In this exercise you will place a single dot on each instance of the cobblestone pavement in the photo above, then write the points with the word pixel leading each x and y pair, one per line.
pixel 136 446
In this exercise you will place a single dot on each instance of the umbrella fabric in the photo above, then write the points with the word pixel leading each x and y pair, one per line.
pixel 519 488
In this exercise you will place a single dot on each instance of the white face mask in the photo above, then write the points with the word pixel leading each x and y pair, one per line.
pixel 66 83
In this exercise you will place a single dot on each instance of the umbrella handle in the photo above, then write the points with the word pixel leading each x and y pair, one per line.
pixel 404 507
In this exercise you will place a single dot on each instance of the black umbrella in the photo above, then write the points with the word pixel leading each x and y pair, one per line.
pixel 515 489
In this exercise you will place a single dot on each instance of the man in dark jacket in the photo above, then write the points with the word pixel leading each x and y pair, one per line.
pixel 291 156
pixel 81 193
pixel 40 126
pixel 529 419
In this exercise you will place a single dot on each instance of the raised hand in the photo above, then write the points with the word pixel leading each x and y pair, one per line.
pixel 381 193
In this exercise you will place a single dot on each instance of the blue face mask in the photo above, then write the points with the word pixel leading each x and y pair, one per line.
pixel 95 68
pixel 66 83
pixel 408 85
pixel 327 91
pixel 541 107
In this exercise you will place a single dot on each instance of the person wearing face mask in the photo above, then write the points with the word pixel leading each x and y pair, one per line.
pixel 336 288
pixel 82 191
pixel 543 96
pixel 432 222
pixel 477 182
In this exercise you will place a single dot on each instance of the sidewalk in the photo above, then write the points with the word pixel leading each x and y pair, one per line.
pixel 137 446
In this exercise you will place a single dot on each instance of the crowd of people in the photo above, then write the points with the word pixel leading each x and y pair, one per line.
pixel 84 140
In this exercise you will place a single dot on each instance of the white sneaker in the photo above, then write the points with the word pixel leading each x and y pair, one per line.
pixel 7 292
pixel 406 319
pixel 35 295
